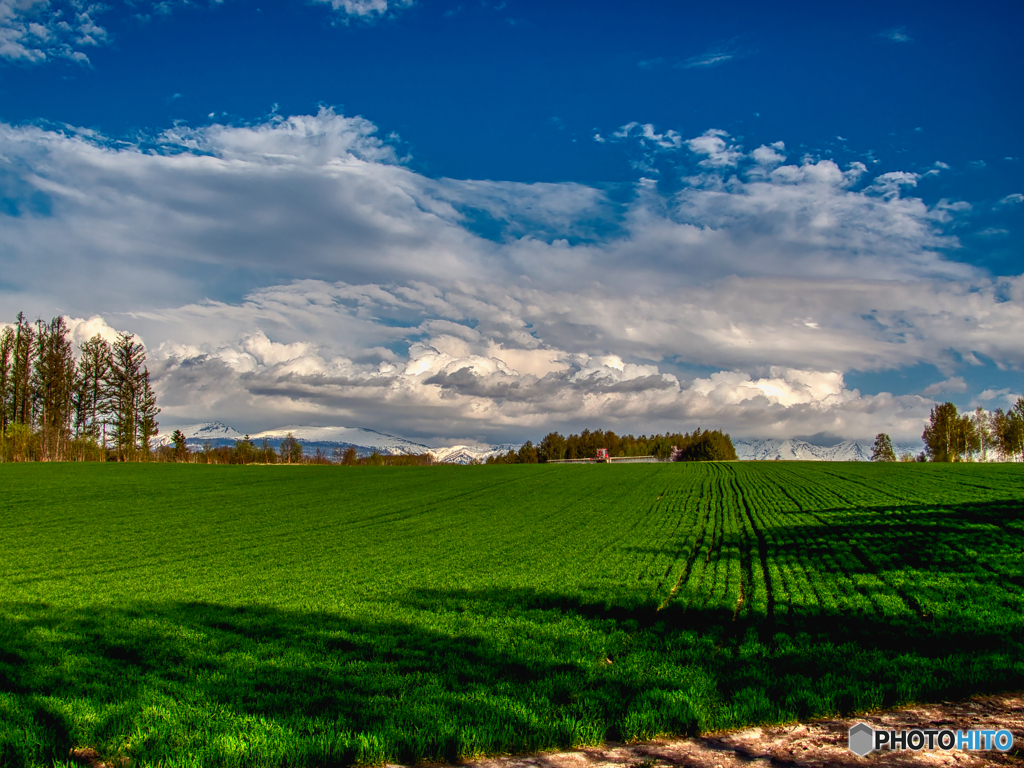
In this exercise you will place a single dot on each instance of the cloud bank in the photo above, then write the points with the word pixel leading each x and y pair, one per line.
pixel 298 271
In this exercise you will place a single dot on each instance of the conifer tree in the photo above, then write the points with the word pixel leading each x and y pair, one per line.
pixel 90 399
pixel 882 450
pixel 53 384
pixel 123 395
pixel 21 372
pixel 180 445
pixel 6 361
pixel 146 419
pixel 552 447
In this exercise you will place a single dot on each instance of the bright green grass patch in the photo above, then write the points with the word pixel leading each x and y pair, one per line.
pixel 314 616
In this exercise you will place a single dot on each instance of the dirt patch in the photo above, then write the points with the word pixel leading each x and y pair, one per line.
pixel 808 745
pixel 90 758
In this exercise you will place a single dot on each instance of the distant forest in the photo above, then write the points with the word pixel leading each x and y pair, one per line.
pixel 56 405
pixel 289 451
pixel 688 446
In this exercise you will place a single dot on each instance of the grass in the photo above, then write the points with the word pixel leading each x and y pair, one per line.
pixel 317 616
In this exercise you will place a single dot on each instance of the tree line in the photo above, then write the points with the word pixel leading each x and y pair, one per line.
pixel 707 445
pixel 289 451
pixel 954 436
pixel 58 406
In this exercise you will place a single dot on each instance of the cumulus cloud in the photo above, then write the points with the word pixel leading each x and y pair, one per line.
pixel 490 363
pixel 449 387
pixel 298 271
pixel 34 31
pixel 769 157
pixel 715 150
pixel 81 330
pixel 952 384
pixel 995 398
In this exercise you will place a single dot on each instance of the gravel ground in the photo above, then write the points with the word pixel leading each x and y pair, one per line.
pixel 813 744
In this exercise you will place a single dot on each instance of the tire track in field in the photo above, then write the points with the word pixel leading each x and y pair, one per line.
pixel 696 523
pixel 698 547
pixel 745 601
pixel 767 629
pixel 715 548
pixel 680 508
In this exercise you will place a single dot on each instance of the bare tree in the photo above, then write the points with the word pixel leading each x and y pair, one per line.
pixel 982 422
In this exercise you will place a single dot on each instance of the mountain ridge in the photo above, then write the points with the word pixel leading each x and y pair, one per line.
pixel 366 441
pixel 327 439
pixel 776 449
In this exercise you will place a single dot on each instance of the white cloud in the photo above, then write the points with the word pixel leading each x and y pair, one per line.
pixel 1015 199
pixel 1005 398
pixel 38 31
pixel 296 271
pixel 34 31
pixel 367 9
pixel 990 232
pixel 471 369
pixel 896 35
pixel 714 148
pixel 649 136
pixel 952 384
pixel 446 388
pixel 712 58
pixel 890 183
pixel 768 156
pixel 81 330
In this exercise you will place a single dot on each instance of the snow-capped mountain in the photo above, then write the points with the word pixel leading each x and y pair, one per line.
pixel 365 441
pixel 196 434
pixel 800 450
pixel 329 440
pixel 466 454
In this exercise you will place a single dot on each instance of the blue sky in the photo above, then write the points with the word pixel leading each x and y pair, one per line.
pixel 482 220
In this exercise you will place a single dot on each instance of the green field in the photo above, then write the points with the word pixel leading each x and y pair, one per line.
pixel 284 616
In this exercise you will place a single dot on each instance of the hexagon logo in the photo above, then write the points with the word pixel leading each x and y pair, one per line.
pixel 861 739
